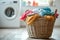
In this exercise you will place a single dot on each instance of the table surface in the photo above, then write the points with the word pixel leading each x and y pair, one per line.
pixel 22 34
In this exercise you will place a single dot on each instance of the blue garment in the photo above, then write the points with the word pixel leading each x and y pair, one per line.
pixel 43 11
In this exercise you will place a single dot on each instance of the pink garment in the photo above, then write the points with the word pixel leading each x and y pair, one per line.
pixel 23 17
pixel 56 14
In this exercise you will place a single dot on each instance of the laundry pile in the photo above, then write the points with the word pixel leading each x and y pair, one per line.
pixel 29 16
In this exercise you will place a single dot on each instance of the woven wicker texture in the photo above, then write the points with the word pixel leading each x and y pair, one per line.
pixel 41 28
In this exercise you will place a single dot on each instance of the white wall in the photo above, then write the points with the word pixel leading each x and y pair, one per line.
pixel 57 2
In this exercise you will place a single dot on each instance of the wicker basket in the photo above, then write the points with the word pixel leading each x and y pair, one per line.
pixel 41 28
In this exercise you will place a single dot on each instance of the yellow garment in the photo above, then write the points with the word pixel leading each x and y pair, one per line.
pixel 31 19
pixel 51 18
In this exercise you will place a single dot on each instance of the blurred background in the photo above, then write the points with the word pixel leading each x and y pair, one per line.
pixel 11 10
pixel 12 28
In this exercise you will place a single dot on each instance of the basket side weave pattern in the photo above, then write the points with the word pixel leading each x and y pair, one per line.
pixel 41 28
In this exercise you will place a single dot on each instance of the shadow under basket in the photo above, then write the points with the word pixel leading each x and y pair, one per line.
pixel 41 28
